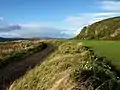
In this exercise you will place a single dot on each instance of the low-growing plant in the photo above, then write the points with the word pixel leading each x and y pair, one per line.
pixel 99 76
pixel 17 55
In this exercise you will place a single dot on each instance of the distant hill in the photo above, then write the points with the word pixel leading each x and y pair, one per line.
pixel 108 29
pixel 2 39
pixel 11 39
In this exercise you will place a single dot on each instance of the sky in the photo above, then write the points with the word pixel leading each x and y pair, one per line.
pixel 53 18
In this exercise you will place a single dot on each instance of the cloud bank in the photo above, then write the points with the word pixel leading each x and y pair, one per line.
pixel 31 30
pixel 111 5
pixel 37 30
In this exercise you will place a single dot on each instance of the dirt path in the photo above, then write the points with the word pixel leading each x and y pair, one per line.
pixel 18 69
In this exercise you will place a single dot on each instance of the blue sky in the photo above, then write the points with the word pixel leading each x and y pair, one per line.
pixel 43 10
pixel 53 18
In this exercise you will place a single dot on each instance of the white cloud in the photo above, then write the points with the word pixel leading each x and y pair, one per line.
pixel 107 9
pixel 34 29
pixel 1 18
pixel 85 19
pixel 76 20
pixel 42 31
pixel 110 5
pixel 88 18
pixel 105 14
pixel 30 25
pixel 9 34
pixel 29 30
pixel 69 33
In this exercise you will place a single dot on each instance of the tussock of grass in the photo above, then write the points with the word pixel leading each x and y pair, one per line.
pixel 70 67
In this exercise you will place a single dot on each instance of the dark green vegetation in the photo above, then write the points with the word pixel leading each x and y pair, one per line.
pixel 71 67
pixel 108 29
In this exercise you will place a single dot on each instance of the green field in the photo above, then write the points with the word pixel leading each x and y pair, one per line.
pixel 109 49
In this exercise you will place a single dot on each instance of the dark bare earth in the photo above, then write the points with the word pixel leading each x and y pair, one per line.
pixel 17 69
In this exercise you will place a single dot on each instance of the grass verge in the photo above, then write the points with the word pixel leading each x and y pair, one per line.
pixel 71 67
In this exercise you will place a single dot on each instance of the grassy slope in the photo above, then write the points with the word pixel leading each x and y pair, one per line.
pixel 107 29
pixel 48 76
pixel 109 49
pixel 61 69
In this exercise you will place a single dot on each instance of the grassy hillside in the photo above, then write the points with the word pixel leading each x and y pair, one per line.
pixel 108 29
pixel 71 67
pixel 109 49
